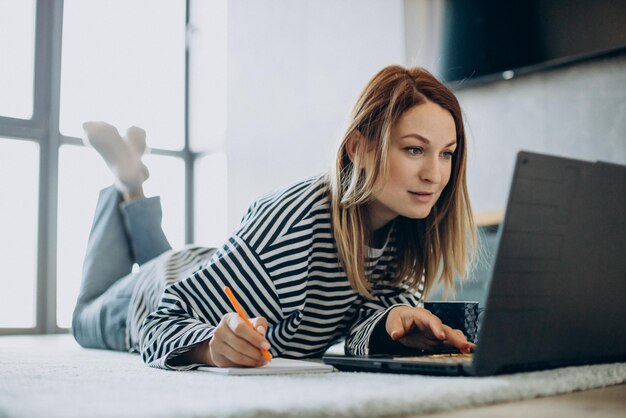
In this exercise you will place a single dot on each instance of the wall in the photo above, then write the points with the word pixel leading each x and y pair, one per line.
pixel 295 70
pixel 577 111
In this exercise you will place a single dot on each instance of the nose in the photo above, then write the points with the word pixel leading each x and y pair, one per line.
pixel 430 171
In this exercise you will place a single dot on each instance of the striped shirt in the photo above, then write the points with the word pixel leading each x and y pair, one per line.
pixel 282 264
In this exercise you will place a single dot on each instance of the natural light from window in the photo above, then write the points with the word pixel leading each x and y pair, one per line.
pixel 17 23
pixel 210 205
pixel 82 174
pixel 19 180
pixel 124 63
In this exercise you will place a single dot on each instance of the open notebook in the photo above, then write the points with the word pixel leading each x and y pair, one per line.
pixel 276 366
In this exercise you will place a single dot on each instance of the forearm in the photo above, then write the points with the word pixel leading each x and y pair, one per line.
pixel 359 340
pixel 167 336
pixel 199 354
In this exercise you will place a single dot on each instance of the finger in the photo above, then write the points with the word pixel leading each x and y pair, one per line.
pixel 242 346
pixel 260 324
pixel 395 326
pixel 423 320
pixel 228 340
pixel 469 346
pixel 236 350
pixel 456 338
pixel 245 348
pixel 244 356
pixel 218 358
pixel 459 333
pixel 404 319
pixel 224 357
pixel 242 330
pixel 221 361
pixel 435 327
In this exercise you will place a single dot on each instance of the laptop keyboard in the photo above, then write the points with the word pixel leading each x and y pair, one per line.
pixel 451 358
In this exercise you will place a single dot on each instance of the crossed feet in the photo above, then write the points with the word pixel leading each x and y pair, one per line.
pixel 122 155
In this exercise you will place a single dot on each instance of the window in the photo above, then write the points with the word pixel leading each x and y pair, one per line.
pixel 17 46
pixel 208 73
pixel 211 197
pixel 65 62
pixel 18 240
pixel 19 168
pixel 132 75
pixel 124 62
pixel 81 175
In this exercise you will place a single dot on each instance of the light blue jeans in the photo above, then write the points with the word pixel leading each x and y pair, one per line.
pixel 123 233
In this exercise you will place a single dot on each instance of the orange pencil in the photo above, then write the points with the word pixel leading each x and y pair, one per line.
pixel 242 314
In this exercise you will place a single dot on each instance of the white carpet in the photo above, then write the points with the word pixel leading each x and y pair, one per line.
pixel 51 376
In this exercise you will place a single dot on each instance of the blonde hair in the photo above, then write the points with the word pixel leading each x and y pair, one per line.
pixel 439 246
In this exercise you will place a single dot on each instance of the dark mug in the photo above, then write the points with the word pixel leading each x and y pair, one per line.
pixel 457 315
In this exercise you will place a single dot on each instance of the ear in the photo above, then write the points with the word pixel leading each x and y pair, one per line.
pixel 354 144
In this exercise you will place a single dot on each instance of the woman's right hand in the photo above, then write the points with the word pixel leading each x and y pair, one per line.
pixel 419 328
pixel 234 344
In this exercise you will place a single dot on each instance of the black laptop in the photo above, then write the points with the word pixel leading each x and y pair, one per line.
pixel 558 288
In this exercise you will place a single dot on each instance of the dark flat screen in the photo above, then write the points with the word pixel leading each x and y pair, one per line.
pixel 482 39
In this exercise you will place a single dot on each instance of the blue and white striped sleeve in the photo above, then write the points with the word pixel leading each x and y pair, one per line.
pixel 190 310
pixel 372 311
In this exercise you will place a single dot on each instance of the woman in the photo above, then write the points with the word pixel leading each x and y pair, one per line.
pixel 346 255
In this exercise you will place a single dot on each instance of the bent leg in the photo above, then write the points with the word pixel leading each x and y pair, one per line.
pixel 122 233
pixel 101 323
pixel 142 219
pixel 109 255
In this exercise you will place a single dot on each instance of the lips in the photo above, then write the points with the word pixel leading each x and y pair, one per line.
pixel 423 197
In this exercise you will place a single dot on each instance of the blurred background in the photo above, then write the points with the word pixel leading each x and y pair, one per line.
pixel 241 97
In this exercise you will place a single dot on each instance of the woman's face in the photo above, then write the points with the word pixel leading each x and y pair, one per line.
pixel 420 162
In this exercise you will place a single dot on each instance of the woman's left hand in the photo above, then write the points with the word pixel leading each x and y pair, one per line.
pixel 418 328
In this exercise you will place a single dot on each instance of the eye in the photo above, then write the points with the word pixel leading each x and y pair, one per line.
pixel 414 150
pixel 447 155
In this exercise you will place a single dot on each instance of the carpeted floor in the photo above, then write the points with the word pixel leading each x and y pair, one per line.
pixel 51 376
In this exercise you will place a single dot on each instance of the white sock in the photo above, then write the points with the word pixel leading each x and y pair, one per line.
pixel 136 140
pixel 122 157
pixel 136 137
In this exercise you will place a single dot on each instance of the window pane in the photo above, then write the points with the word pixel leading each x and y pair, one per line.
pixel 167 180
pixel 19 187
pixel 208 62
pixel 82 174
pixel 211 201
pixel 17 23
pixel 124 63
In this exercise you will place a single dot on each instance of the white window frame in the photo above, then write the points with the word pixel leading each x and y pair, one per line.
pixel 43 128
